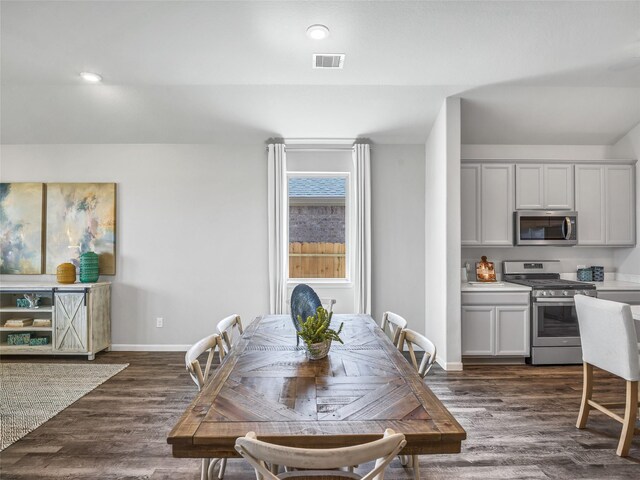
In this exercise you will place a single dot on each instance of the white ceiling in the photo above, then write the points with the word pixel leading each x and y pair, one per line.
pixel 203 72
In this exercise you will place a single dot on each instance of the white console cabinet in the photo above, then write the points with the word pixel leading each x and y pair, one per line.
pixel 79 314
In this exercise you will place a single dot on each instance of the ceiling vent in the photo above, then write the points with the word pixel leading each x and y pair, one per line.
pixel 328 60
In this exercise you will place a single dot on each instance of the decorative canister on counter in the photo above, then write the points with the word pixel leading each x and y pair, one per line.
pixel 89 269
pixel 584 274
pixel 598 274
pixel 66 273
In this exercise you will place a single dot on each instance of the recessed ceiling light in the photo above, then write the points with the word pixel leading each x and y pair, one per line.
pixel 91 77
pixel 317 32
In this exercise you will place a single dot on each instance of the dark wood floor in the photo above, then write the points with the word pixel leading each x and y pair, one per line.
pixel 520 423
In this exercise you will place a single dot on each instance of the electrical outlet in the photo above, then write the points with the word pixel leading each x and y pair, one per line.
pixel 159 322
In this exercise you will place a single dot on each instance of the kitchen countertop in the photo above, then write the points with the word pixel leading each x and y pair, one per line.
pixel 505 287
pixel 616 285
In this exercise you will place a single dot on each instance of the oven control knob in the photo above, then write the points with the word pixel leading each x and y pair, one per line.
pixel 543 293
pixel 565 293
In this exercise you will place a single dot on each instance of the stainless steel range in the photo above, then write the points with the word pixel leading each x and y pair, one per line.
pixel 555 337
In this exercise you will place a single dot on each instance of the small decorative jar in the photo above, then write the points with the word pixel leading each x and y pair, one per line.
pixel 585 275
pixel 66 273
pixel 598 274
pixel 89 268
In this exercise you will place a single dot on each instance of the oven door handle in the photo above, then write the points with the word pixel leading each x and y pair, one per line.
pixel 554 301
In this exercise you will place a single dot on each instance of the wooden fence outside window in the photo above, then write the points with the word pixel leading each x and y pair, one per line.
pixel 317 260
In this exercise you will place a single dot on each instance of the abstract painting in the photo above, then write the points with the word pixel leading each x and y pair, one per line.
pixel 21 228
pixel 81 217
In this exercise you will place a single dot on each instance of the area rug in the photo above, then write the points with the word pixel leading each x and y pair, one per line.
pixel 32 393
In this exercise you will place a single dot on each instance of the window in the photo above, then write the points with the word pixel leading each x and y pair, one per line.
pixel 318 229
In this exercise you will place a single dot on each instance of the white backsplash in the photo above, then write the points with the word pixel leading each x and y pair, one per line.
pixel 569 257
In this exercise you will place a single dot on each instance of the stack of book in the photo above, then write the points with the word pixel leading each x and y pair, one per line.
pixel 19 322
pixel 42 322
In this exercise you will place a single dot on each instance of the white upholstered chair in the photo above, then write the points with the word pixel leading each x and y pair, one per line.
pixel 230 329
pixel 609 342
pixel 413 339
pixel 213 344
pixel 393 323
pixel 319 464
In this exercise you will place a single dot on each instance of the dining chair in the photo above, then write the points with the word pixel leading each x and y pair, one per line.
pixel 319 464
pixel 414 339
pixel 394 323
pixel 328 303
pixel 609 342
pixel 230 329
pixel 213 344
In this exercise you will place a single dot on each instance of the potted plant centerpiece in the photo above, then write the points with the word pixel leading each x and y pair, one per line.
pixel 317 335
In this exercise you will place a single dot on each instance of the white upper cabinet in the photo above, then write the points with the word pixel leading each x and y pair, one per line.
pixel 620 202
pixel 548 187
pixel 486 204
pixel 603 195
pixel 558 187
pixel 497 204
pixel 470 204
pixel 605 202
pixel 529 190
pixel 590 206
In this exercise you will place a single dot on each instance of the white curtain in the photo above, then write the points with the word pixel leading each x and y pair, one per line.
pixel 278 219
pixel 362 244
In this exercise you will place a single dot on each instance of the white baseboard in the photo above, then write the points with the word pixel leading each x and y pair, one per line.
pixel 449 366
pixel 128 347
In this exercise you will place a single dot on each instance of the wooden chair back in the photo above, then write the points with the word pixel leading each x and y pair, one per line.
pixel 212 343
pixel 230 329
pixel 320 461
pixel 394 323
pixel 413 338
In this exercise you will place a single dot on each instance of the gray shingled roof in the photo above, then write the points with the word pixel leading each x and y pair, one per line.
pixel 316 187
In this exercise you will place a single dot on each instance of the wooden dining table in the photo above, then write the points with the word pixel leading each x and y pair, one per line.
pixel 267 385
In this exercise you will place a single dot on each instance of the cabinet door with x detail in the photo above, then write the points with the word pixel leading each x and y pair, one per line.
pixel 71 332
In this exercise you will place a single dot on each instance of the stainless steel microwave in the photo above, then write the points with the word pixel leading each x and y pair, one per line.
pixel 543 227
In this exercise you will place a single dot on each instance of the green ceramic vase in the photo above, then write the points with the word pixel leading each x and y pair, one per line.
pixel 89 268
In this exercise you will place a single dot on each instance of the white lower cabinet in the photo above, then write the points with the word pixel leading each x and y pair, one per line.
pixel 491 330
pixel 512 331
pixel 478 330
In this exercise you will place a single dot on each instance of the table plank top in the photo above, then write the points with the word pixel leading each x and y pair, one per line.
pixel 267 385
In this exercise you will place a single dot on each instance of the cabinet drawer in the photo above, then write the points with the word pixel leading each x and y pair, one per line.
pixel 491 298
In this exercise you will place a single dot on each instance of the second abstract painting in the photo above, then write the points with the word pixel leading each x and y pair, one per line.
pixel 81 217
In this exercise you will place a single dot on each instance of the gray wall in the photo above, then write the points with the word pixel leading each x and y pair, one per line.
pixel 397 205
pixel 628 259
pixel 192 231
pixel 442 237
